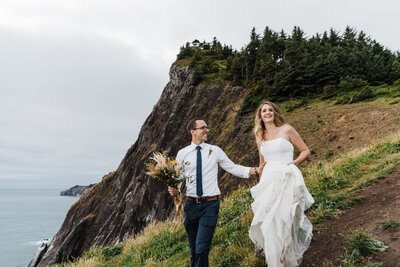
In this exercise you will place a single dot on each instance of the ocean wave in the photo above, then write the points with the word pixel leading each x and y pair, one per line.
pixel 37 243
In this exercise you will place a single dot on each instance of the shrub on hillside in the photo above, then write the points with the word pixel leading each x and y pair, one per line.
pixel 343 100
pixel 363 94
pixel 328 91
pixel 293 106
pixel 350 84
pixel 395 92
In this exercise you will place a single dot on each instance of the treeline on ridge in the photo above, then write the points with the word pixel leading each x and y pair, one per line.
pixel 279 66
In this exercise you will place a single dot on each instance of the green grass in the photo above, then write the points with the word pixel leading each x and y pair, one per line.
pixel 368 93
pixel 389 223
pixel 364 244
pixel 340 96
pixel 334 184
pixel 359 246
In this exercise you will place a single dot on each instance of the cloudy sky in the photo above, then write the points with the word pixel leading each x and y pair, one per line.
pixel 79 77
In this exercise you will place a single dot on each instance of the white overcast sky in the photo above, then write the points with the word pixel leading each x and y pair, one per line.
pixel 78 77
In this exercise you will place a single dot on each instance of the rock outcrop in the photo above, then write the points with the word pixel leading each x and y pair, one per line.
pixel 76 190
pixel 39 254
pixel 127 199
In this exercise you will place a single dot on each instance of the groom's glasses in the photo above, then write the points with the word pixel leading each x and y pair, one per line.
pixel 203 128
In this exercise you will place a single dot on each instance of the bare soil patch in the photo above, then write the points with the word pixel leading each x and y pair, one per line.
pixel 332 130
pixel 379 202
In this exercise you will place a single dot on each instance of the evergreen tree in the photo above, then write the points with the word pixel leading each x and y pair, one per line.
pixel 395 70
pixel 238 70
pixel 251 54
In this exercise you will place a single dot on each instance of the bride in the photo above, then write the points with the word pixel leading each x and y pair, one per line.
pixel 279 227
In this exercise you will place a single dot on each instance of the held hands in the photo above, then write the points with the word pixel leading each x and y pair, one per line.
pixel 172 191
pixel 258 170
pixel 261 168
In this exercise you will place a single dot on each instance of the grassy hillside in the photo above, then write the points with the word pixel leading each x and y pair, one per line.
pixel 328 128
pixel 345 162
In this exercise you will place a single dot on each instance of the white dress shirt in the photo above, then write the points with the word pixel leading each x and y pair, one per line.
pixel 211 156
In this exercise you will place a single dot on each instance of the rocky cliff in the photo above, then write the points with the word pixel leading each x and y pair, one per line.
pixel 127 199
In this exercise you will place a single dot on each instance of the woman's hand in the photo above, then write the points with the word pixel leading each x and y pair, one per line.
pixel 172 191
pixel 298 142
pixel 261 168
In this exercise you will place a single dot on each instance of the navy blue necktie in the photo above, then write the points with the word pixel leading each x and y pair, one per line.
pixel 199 180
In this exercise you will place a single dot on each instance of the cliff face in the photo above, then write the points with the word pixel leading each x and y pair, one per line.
pixel 127 199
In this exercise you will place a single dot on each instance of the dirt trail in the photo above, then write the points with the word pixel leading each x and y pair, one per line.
pixel 380 202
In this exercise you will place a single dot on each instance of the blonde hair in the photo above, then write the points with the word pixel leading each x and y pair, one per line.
pixel 259 127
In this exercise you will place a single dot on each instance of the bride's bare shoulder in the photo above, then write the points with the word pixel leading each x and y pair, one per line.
pixel 288 131
pixel 287 128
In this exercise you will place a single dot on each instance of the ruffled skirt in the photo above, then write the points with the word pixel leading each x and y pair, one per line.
pixel 279 226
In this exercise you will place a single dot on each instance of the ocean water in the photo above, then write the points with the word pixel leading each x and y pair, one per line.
pixel 26 217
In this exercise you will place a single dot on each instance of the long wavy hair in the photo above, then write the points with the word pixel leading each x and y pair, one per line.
pixel 259 127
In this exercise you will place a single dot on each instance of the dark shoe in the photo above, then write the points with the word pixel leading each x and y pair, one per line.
pixel 259 253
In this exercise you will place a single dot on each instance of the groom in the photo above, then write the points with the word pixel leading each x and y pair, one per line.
pixel 202 192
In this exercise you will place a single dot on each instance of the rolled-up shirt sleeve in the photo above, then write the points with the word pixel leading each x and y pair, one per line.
pixel 232 168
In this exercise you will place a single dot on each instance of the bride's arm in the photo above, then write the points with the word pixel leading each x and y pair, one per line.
pixel 262 163
pixel 298 142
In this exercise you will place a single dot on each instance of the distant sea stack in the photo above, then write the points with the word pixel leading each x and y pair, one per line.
pixel 76 190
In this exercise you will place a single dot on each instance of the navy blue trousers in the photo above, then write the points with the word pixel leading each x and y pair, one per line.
pixel 200 221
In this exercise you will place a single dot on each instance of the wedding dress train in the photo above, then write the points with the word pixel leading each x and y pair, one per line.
pixel 279 226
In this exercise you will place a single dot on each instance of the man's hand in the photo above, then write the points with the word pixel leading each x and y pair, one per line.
pixel 172 191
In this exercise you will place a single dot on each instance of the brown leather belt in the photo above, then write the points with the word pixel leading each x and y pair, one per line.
pixel 202 199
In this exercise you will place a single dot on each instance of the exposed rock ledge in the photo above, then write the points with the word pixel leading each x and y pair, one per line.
pixel 76 190
pixel 39 253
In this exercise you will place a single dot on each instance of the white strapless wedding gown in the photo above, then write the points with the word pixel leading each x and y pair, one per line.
pixel 279 226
